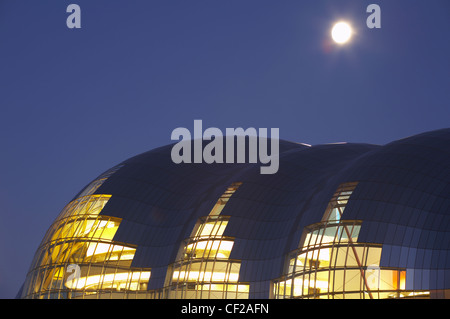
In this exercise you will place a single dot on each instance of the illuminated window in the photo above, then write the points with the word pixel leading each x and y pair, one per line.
pixel 78 257
pixel 331 263
pixel 204 268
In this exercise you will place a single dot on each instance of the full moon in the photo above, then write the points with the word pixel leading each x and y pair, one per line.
pixel 341 32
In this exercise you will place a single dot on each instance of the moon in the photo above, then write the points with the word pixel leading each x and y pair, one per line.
pixel 341 32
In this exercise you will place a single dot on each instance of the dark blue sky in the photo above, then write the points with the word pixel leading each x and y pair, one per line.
pixel 75 102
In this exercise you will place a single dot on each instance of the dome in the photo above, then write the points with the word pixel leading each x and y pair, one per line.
pixel 336 221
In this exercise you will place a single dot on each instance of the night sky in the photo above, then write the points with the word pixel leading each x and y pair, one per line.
pixel 75 102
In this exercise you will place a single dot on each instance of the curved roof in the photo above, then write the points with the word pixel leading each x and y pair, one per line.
pixel 403 196
pixel 401 203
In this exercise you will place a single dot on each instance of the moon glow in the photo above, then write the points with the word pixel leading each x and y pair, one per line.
pixel 341 32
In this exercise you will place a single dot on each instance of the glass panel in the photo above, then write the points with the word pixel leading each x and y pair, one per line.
pixel 79 256
pixel 331 263
pixel 206 270
pixel 373 256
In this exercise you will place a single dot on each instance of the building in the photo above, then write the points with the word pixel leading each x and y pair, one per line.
pixel 336 221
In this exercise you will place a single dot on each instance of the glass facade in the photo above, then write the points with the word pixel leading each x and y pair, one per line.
pixel 78 257
pixel 204 269
pixel 337 221
pixel 330 262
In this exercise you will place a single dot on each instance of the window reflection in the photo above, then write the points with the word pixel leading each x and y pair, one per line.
pixel 78 257
pixel 204 268
pixel 331 263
